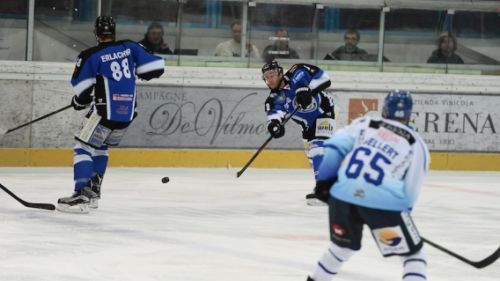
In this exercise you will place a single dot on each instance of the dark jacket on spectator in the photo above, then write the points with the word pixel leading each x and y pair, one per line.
pixel 342 54
pixel 157 49
pixel 269 56
pixel 438 57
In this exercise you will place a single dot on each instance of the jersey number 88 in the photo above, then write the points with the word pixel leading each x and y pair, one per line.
pixel 119 72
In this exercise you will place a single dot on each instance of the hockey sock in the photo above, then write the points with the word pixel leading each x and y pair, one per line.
pixel 315 152
pixel 414 266
pixel 82 165
pixel 331 262
pixel 100 158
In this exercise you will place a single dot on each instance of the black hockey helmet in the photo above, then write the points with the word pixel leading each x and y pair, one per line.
pixel 104 25
pixel 273 65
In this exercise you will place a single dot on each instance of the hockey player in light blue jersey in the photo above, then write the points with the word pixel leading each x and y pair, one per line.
pixel 371 174
pixel 104 80
pixel 300 87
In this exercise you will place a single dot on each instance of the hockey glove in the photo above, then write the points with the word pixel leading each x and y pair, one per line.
pixel 76 105
pixel 303 96
pixel 322 189
pixel 276 129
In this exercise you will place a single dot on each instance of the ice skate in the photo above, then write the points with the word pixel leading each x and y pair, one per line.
pixel 96 188
pixel 78 202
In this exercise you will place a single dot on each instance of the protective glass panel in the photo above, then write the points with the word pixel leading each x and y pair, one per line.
pixel 474 38
pixel 410 39
pixel 348 38
pixel 153 23
pixel 213 33
pixel 13 29
pixel 63 29
pixel 283 32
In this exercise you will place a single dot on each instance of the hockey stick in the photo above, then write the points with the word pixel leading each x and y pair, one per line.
pixel 3 131
pixel 240 172
pixel 477 264
pixel 45 206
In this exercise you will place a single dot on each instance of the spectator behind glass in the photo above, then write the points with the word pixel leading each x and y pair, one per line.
pixel 445 53
pixel 232 48
pixel 153 40
pixel 350 50
pixel 280 48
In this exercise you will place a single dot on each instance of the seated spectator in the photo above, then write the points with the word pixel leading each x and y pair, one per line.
pixel 232 48
pixel 445 53
pixel 153 40
pixel 350 50
pixel 280 48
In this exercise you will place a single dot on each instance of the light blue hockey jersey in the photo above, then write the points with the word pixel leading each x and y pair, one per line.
pixel 111 69
pixel 380 163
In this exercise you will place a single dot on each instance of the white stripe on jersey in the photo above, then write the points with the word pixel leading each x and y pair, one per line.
pixel 319 81
pixel 154 65
pixel 133 104
pixel 108 98
pixel 83 85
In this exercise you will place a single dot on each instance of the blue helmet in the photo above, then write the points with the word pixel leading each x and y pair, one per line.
pixel 397 105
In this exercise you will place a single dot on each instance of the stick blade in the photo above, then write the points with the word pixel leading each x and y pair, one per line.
pixel 3 131
pixel 489 260
pixel 43 206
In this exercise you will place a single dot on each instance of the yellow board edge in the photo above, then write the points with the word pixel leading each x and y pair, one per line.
pixel 201 158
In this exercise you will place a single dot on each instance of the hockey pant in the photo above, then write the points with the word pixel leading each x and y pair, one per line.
pixel 91 148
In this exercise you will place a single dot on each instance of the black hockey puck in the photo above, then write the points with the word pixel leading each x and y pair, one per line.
pixel 165 180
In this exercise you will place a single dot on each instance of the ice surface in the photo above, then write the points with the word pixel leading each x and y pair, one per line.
pixel 207 225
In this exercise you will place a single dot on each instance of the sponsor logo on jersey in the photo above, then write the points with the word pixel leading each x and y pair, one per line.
pixel 387 135
pixel 299 76
pixel 389 237
pixel 360 193
pixel 338 230
pixel 360 107
pixel 123 97
pixel 325 127
pixel 123 110
pixel 391 240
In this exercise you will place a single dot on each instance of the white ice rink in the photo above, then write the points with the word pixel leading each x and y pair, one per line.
pixel 206 225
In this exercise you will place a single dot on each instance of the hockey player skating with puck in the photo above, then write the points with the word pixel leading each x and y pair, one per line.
pixel 104 80
pixel 371 174
pixel 300 87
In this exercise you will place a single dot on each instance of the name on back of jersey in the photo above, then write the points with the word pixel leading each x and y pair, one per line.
pixel 382 146
pixel 115 55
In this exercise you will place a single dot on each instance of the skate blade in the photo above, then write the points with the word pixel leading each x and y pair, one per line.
pixel 76 209
pixel 94 203
pixel 315 202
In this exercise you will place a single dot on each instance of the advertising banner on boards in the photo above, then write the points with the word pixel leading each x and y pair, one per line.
pixel 196 117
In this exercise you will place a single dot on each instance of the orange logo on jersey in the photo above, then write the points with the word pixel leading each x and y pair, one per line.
pixel 359 107
pixel 387 135
pixel 389 237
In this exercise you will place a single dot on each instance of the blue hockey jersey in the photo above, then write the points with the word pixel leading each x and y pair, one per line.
pixel 110 68
pixel 380 163
pixel 282 101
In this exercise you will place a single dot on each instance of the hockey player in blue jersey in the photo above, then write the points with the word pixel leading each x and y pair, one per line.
pixel 300 87
pixel 371 174
pixel 104 80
